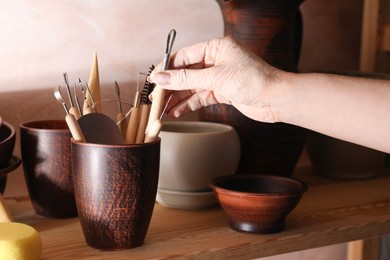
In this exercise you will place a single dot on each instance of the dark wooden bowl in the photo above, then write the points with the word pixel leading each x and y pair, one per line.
pixel 258 203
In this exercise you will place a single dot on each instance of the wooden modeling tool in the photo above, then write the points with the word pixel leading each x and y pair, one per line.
pixel 134 117
pixel 94 85
pixel 69 118
pixel 72 109
pixel 154 131
pixel 17 240
pixel 120 117
pixel 145 105
pixel 159 93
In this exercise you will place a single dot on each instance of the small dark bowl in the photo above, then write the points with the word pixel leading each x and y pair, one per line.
pixel 13 163
pixel 257 203
pixel 7 143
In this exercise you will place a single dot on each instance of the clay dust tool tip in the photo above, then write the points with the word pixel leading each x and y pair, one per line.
pixel 69 118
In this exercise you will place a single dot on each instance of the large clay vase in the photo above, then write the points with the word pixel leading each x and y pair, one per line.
pixel 272 29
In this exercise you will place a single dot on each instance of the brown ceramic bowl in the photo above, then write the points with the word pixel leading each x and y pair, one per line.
pixel 7 143
pixel 257 203
pixel 8 162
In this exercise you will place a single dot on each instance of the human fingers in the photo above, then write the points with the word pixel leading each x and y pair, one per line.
pixel 191 103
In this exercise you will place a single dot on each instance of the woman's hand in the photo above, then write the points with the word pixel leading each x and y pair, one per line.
pixel 218 71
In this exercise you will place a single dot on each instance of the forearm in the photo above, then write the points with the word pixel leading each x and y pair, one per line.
pixel 352 109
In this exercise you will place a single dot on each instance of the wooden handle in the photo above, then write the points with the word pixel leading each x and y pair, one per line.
pixel 153 132
pixel 122 124
pixel 5 214
pixel 145 110
pixel 74 128
pixel 87 110
pixel 74 112
pixel 133 126
pixel 157 105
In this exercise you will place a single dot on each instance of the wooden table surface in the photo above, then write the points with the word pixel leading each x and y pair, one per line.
pixel 330 212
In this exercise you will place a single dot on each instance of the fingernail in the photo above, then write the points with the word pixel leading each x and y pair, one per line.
pixel 162 78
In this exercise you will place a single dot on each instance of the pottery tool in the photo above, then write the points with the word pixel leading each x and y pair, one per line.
pixel 77 100
pixel 154 131
pixel 120 117
pixel 145 105
pixel 86 107
pixel 69 118
pixel 100 129
pixel 17 240
pixel 72 109
pixel 159 93
pixel 134 117
pixel 94 84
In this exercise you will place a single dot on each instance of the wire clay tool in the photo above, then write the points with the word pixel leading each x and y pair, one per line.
pixel 159 93
pixel 120 117
pixel 72 109
pixel 70 118
pixel 87 109
pixel 134 117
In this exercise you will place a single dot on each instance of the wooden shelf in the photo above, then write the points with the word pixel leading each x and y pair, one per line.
pixel 332 211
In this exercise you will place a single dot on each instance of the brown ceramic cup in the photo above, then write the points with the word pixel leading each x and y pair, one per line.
pixel 45 148
pixel 115 189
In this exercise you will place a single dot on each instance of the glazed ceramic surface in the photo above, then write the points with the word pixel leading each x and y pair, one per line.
pixel 271 29
pixel 258 203
pixel 193 153
pixel 186 200
pixel 115 189
pixel 7 143
pixel 45 147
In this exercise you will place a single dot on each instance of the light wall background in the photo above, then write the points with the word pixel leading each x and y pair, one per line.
pixel 40 40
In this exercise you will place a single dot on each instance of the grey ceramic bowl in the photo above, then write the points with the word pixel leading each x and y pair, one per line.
pixel 194 152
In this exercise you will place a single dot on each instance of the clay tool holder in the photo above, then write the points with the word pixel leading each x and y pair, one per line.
pixel 70 118
pixel 158 92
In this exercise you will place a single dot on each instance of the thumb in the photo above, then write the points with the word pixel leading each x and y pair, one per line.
pixel 183 79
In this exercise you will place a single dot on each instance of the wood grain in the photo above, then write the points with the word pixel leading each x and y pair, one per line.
pixel 331 212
